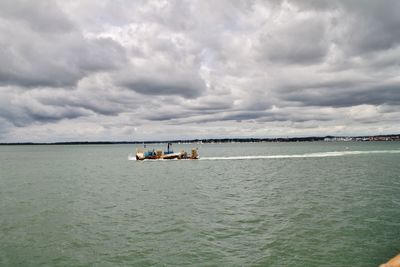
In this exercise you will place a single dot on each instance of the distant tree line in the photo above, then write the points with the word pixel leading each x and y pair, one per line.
pixel 391 137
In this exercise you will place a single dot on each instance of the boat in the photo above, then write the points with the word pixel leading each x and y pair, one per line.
pixel 141 154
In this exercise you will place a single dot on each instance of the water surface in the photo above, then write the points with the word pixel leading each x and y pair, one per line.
pixel 264 204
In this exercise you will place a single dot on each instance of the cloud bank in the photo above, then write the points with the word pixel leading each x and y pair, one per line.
pixel 146 70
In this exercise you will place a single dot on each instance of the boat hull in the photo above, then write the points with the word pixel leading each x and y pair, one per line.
pixel 159 155
pixel 168 156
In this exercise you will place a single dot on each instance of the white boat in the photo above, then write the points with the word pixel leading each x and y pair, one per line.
pixel 141 154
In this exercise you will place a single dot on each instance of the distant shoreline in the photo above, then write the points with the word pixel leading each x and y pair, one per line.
pixel 391 137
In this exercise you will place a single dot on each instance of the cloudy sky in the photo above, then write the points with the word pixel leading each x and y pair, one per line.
pixel 146 70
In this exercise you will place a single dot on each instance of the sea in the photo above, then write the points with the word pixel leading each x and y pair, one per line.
pixel 241 204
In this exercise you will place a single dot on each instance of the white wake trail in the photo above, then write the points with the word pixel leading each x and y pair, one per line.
pixel 307 155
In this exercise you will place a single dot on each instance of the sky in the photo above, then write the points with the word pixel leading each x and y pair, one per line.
pixel 157 70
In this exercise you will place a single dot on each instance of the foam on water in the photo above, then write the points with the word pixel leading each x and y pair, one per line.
pixel 132 157
pixel 307 155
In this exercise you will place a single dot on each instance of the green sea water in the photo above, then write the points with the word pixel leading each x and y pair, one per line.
pixel 263 204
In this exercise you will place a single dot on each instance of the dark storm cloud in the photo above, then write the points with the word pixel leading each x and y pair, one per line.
pixel 41 16
pixel 175 110
pixel 23 116
pixel 282 45
pixel 343 97
pixel 44 117
pixel 259 116
pixel 42 48
pixel 388 108
pixel 370 25
pixel 149 87
pixel 51 105
pixel 27 65
pixel 90 103
pixel 180 83
pixel 167 116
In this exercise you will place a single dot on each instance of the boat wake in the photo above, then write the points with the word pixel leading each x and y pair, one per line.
pixel 307 155
pixel 133 157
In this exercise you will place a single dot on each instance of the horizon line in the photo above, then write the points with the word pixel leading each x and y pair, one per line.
pixel 221 139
